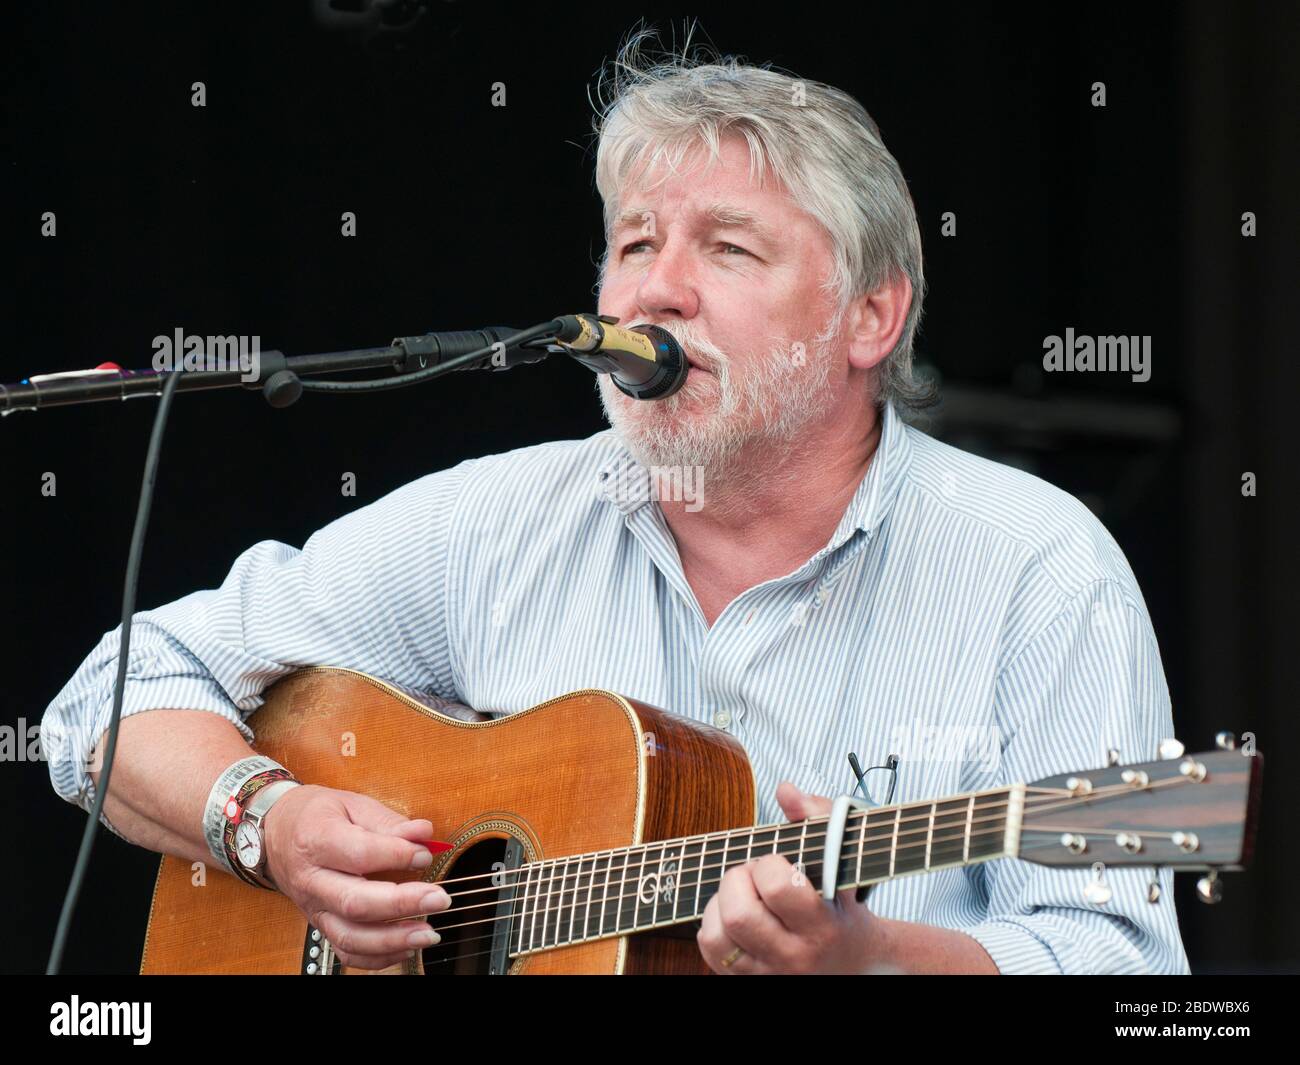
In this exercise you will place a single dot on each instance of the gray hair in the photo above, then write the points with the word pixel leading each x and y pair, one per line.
pixel 818 141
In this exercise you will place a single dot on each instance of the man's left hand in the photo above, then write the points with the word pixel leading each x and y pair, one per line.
pixel 770 911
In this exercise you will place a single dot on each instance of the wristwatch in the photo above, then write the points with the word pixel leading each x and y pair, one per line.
pixel 245 836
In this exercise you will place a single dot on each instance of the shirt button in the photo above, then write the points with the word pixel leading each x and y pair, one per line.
pixel 722 718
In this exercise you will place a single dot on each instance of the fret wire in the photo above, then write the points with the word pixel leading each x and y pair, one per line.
pixel 577 888
pixel 573 898
pixel 523 916
pixel 929 835
pixel 532 914
pixel 603 924
pixel 604 895
pixel 695 888
pixel 545 878
pixel 970 812
pixel 566 901
pixel 725 842
pixel 862 839
pixel 555 898
pixel 680 880
pixel 537 895
pixel 564 894
pixel 622 890
pixel 668 878
pixel 591 887
pixel 636 888
pixel 699 876
pixel 558 921
pixel 559 909
pixel 638 878
pixel 803 839
pixel 893 848
pixel 546 914
pixel 657 875
pixel 622 884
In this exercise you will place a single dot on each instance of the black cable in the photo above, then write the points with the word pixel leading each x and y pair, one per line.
pixel 128 609
pixel 133 579
pixel 461 362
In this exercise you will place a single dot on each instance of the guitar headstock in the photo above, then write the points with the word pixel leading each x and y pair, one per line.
pixel 1185 811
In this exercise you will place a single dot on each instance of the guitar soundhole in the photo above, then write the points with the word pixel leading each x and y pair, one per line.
pixel 468 924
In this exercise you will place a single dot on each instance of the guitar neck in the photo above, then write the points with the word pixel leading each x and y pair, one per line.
pixel 569 900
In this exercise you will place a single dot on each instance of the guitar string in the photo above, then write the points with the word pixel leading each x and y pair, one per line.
pixel 794 843
pixel 1038 804
pixel 599 935
pixel 531 899
pixel 702 882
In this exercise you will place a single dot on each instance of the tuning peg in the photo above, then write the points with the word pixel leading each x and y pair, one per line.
pixel 1128 841
pixel 1074 842
pixel 1097 891
pixel 1171 748
pixel 1112 757
pixel 1208 889
pixel 1225 741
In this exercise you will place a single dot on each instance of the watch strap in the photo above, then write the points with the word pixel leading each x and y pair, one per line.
pixel 234 813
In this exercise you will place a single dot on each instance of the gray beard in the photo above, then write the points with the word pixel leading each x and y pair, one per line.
pixel 772 406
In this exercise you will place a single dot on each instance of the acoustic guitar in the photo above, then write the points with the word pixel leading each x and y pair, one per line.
pixel 589 832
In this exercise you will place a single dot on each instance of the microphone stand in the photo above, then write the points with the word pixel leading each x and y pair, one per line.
pixel 278 376
pixel 283 378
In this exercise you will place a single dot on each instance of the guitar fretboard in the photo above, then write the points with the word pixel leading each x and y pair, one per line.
pixel 562 901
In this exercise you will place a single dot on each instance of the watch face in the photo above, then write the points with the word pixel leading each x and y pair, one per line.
pixel 248 844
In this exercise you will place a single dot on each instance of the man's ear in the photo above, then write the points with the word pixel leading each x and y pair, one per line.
pixel 875 321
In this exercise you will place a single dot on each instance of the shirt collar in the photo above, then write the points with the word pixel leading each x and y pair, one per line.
pixel 625 483
pixel 878 490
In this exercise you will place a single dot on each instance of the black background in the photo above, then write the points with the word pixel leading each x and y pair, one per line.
pixel 226 220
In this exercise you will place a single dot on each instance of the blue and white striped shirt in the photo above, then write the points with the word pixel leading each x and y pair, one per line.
pixel 966 616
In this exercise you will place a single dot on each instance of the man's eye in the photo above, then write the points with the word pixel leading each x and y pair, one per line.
pixel 735 247
pixel 631 247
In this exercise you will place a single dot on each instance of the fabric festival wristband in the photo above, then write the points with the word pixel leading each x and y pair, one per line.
pixel 224 791
pixel 234 814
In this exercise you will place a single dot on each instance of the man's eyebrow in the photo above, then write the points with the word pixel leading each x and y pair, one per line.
pixel 725 214
pixel 721 214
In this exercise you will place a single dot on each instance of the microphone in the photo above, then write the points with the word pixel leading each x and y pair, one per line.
pixel 644 362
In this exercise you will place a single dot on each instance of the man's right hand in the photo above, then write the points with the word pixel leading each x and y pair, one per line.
pixel 320 843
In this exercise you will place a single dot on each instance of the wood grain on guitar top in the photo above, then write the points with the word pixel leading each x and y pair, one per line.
pixel 583 772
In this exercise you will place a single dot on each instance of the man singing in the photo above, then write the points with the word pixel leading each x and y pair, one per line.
pixel 836 581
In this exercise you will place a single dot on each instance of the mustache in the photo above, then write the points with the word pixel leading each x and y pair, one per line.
pixel 699 348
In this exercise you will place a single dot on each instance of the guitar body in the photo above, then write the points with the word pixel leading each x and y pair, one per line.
pixel 584 772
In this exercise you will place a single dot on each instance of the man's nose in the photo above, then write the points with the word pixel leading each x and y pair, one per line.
pixel 667 287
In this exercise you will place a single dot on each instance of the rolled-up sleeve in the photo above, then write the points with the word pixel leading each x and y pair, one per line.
pixel 366 592
pixel 1090 681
